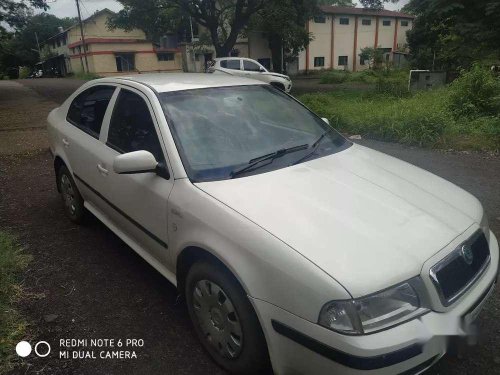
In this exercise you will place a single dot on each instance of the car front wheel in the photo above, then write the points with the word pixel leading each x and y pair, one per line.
pixel 224 320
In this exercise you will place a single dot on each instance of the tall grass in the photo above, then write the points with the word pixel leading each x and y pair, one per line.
pixel 12 327
pixel 423 119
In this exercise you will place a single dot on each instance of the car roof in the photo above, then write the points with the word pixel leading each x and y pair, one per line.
pixel 168 82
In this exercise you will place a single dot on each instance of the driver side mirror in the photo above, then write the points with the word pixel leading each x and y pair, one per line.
pixel 135 162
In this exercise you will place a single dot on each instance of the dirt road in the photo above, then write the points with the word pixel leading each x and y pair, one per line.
pixel 86 283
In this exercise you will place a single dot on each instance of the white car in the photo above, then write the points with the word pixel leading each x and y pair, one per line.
pixel 293 247
pixel 244 67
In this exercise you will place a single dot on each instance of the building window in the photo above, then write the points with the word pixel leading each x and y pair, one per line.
pixel 404 23
pixel 343 60
pixel 344 20
pixel 366 22
pixel 319 61
pixel 362 60
pixel 125 62
pixel 386 23
pixel 165 56
pixel 320 19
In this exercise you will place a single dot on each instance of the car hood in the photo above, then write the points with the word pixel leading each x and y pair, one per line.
pixel 277 75
pixel 367 219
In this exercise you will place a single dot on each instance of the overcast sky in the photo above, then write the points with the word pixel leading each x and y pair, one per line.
pixel 67 8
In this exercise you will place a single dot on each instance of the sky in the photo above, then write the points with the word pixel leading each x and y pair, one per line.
pixel 67 8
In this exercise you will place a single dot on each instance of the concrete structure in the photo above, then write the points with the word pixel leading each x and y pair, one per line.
pixel 109 52
pixel 341 32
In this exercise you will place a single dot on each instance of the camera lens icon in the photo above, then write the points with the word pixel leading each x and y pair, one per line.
pixel 42 349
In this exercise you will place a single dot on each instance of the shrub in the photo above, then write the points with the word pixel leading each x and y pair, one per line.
pixel 24 72
pixel 475 93
pixel 393 82
pixel 334 76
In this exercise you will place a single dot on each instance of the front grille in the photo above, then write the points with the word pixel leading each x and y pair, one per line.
pixel 453 275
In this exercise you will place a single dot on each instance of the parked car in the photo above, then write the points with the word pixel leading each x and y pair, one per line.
pixel 292 246
pixel 243 67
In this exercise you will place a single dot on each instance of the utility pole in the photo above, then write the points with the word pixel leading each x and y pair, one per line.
pixel 39 50
pixel 84 46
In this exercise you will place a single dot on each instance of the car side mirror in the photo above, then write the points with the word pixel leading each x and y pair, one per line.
pixel 326 120
pixel 135 162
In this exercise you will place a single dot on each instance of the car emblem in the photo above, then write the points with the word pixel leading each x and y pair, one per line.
pixel 467 254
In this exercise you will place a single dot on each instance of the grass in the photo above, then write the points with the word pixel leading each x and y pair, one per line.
pixel 423 118
pixel 12 326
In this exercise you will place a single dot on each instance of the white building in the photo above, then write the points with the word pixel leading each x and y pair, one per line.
pixel 341 33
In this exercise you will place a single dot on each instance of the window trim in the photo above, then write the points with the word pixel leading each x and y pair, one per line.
pixel 347 60
pixel 104 125
pixel 407 23
pixel 386 23
pixel 319 57
pixel 367 20
pixel 156 122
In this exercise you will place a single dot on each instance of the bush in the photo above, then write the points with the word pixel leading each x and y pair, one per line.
pixel 24 72
pixel 475 93
pixel 364 76
pixel 393 82
pixel 334 76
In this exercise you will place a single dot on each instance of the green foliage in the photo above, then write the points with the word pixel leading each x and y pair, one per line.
pixel 475 93
pixel 12 328
pixel 5 77
pixel 393 82
pixel 16 12
pixel 86 76
pixel 453 34
pixel 24 72
pixel 334 76
pixel 282 23
pixel 374 56
pixel 424 118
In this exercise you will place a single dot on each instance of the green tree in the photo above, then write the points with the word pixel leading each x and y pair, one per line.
pixel 452 34
pixel 224 19
pixel 374 56
pixel 16 12
pixel 20 48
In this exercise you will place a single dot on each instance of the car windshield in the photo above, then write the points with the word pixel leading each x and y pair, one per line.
pixel 220 130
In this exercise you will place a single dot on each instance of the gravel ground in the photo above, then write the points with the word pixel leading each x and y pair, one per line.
pixel 86 283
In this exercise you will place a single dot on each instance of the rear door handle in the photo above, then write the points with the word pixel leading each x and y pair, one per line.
pixel 65 142
pixel 101 169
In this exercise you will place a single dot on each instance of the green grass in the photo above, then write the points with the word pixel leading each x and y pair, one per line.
pixel 423 119
pixel 12 326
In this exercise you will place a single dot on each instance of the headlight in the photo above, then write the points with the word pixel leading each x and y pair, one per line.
pixel 485 226
pixel 374 312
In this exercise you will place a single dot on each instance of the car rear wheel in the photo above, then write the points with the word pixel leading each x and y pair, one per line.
pixel 224 320
pixel 73 201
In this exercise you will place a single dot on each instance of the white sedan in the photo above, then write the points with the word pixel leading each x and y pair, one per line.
pixel 248 68
pixel 294 248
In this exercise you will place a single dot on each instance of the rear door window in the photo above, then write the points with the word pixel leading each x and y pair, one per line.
pixel 88 109
pixel 132 128
pixel 231 64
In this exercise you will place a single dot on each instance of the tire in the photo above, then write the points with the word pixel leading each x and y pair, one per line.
pixel 71 197
pixel 217 306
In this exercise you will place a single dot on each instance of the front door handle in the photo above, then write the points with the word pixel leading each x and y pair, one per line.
pixel 65 142
pixel 101 169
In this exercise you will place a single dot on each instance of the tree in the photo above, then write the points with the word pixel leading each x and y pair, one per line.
pixel 452 34
pixel 20 48
pixel 15 12
pixel 376 4
pixel 374 56
pixel 224 19
pixel 282 23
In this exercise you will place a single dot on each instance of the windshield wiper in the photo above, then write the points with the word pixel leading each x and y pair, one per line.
pixel 314 147
pixel 273 155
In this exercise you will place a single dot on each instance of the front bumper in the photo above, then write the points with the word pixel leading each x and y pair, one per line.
pixel 297 346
